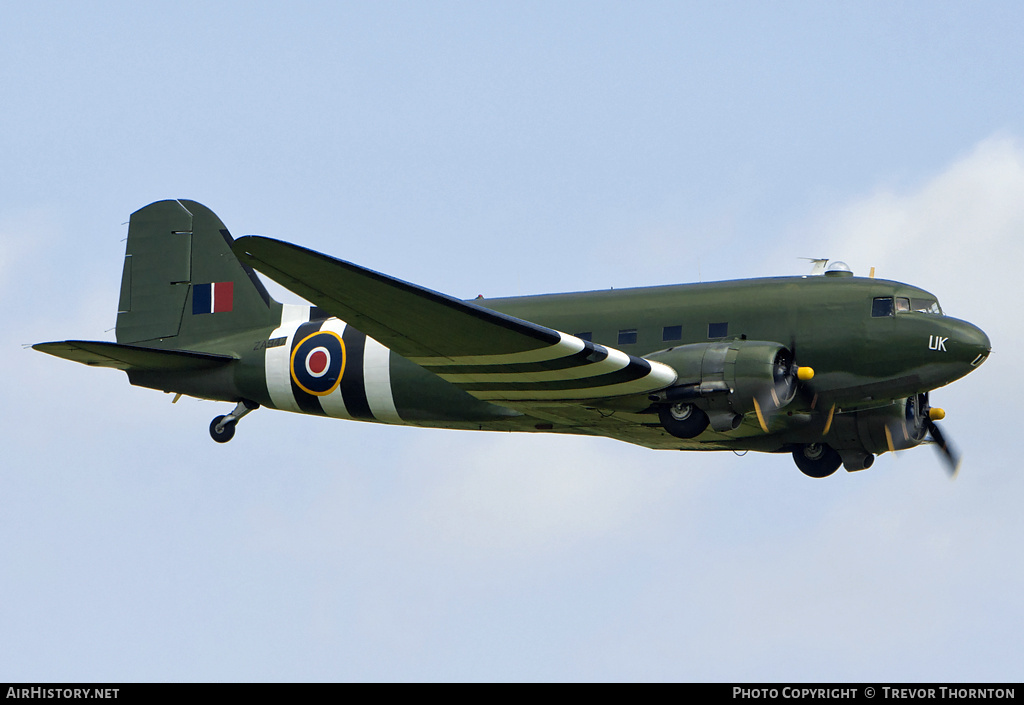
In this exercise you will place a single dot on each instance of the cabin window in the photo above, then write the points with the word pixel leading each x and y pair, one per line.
pixel 902 304
pixel 588 336
pixel 882 306
pixel 627 336
pixel 672 333
pixel 718 330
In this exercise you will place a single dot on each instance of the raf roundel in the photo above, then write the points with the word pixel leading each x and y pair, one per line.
pixel 318 363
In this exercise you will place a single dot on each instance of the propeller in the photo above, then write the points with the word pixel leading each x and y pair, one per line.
pixel 950 456
pixel 786 375
pixel 927 415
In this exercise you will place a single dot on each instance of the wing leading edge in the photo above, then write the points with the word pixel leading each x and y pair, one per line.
pixel 490 355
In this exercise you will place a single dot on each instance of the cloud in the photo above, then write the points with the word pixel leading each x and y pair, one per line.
pixel 957 233
pixel 411 552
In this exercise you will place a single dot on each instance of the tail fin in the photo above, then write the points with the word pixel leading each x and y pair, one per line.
pixel 182 284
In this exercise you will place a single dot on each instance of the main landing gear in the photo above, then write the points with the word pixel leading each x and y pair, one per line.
pixel 683 420
pixel 222 428
pixel 817 459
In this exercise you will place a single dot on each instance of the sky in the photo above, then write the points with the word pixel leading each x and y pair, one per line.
pixel 503 149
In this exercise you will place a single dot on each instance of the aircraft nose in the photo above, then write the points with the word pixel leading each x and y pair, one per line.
pixel 983 345
pixel 971 343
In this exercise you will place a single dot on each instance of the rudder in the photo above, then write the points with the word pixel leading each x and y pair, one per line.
pixel 182 284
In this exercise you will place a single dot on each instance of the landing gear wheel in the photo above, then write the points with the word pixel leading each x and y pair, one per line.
pixel 225 434
pixel 683 420
pixel 817 459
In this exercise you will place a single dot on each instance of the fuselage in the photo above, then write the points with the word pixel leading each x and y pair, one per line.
pixel 869 342
pixel 860 350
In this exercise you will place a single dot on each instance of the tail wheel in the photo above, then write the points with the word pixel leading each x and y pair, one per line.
pixel 817 459
pixel 683 420
pixel 225 433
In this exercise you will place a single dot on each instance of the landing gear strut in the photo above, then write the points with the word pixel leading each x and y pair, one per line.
pixel 222 428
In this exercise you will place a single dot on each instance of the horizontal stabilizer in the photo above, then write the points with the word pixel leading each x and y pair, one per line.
pixel 131 357
pixel 490 355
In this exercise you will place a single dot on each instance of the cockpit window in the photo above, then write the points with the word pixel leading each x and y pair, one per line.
pixel 926 306
pixel 886 306
pixel 882 306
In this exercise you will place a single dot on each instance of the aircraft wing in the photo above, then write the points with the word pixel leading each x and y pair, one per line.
pixel 488 354
pixel 131 357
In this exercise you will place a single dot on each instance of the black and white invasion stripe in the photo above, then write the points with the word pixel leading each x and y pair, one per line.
pixel 570 368
pixel 364 391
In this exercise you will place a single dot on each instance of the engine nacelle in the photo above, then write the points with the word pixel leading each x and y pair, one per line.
pixel 897 426
pixel 725 378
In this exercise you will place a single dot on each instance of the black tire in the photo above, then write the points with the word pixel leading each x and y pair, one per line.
pixel 817 459
pixel 683 420
pixel 225 434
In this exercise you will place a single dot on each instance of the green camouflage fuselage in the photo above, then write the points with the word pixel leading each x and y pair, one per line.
pixel 860 361
pixel 824 366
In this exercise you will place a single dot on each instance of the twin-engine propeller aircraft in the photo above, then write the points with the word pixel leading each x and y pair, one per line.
pixel 833 369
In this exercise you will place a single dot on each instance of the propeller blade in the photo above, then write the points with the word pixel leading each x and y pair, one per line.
pixel 760 415
pixel 888 440
pixel 949 453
